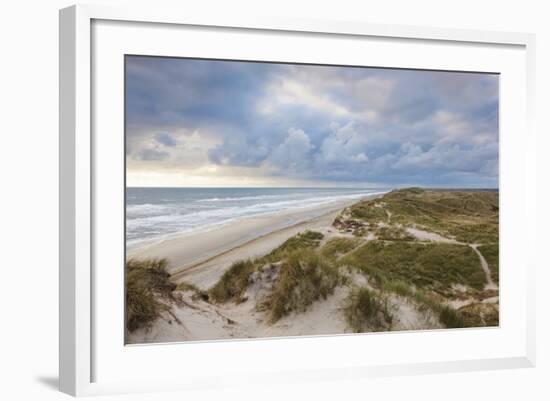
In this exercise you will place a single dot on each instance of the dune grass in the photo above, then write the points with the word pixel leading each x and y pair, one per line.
pixel 233 282
pixel 468 216
pixel 305 240
pixel 366 310
pixel 393 233
pixel 338 246
pixel 197 292
pixel 147 283
pixel 491 254
pixel 434 266
pixel 304 277
pixel 480 315
pixel 451 318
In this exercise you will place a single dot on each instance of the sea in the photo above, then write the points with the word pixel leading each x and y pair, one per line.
pixel 156 214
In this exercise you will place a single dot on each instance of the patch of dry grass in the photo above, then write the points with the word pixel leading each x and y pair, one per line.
pixel 304 277
pixel 147 284
pixel 434 266
pixel 366 310
pixel 233 282
pixel 491 254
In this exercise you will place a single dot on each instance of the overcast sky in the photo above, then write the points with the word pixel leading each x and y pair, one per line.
pixel 223 123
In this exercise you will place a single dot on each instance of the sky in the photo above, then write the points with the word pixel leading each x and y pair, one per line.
pixel 206 123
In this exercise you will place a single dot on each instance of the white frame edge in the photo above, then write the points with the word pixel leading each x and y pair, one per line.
pixel 75 209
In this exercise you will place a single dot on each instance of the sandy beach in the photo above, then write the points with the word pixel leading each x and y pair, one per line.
pixel 201 258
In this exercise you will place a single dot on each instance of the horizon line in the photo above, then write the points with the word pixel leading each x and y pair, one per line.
pixel 318 187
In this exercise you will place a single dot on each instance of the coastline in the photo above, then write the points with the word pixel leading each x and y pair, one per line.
pixel 201 258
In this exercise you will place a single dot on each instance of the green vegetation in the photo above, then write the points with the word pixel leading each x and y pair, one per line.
pixel 426 300
pixel 393 233
pixel 451 318
pixel 304 277
pixel 197 292
pixel 480 315
pixel 368 210
pixel 468 216
pixel 433 266
pixel 491 254
pixel 233 283
pixel 366 310
pixel 306 240
pixel 183 286
pixel 147 283
pixel 336 247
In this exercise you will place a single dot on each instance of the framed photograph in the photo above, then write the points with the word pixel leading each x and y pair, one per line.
pixel 279 200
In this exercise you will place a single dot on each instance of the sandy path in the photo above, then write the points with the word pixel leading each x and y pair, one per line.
pixel 485 266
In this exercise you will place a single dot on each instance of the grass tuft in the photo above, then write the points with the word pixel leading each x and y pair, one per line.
pixel 393 233
pixel 434 266
pixel 451 318
pixel 304 277
pixel 307 239
pixel 365 310
pixel 468 216
pixel 147 282
pixel 233 282
pixel 336 247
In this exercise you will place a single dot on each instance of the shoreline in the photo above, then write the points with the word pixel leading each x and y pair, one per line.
pixel 202 257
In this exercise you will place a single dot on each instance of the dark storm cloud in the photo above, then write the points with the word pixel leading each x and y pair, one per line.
pixel 318 123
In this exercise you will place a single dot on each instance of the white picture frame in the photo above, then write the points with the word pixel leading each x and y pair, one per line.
pixel 82 213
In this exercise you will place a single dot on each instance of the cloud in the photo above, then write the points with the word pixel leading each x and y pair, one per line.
pixel 293 153
pixel 343 145
pixel 317 123
pixel 152 154
pixel 165 139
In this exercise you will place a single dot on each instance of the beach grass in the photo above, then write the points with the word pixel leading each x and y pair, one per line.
pixel 305 240
pixel 233 282
pixel 435 266
pixel 304 277
pixel 147 283
pixel 491 254
pixel 467 216
pixel 393 233
pixel 366 310
pixel 480 315
pixel 451 318
pixel 338 246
